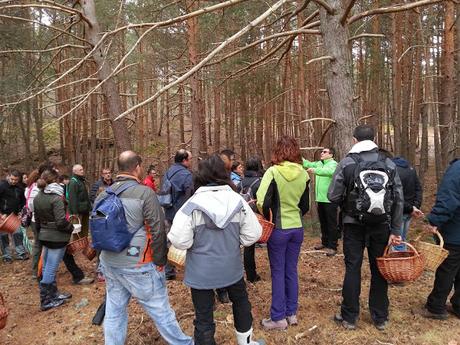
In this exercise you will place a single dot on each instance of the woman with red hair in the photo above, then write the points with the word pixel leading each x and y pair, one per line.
pixel 284 192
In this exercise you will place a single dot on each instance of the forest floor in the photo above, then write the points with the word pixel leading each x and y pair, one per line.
pixel 320 279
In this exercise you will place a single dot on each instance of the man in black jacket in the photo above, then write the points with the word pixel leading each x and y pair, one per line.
pixel 413 195
pixel 358 233
pixel 12 200
pixel 79 204
pixel 100 185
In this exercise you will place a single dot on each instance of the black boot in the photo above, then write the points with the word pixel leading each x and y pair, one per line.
pixel 222 296
pixel 59 294
pixel 47 300
pixel 204 338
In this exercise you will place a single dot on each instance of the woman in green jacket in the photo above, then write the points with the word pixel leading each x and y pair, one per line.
pixel 284 192
pixel 54 233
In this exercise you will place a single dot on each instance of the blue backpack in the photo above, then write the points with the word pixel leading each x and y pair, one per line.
pixel 109 228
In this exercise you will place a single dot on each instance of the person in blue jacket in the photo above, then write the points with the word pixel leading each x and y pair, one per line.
pixel 445 218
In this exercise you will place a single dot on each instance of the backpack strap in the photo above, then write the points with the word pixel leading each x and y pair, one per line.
pixel 121 189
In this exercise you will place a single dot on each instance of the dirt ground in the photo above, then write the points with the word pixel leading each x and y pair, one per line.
pixel 320 296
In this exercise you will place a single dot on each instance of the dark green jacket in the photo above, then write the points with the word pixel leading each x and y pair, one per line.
pixel 50 218
pixel 78 196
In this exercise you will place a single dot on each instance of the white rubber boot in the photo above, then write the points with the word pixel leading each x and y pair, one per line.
pixel 246 339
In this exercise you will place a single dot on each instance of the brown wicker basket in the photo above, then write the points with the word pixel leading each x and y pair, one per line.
pixel 177 256
pixel 401 266
pixel 434 255
pixel 10 224
pixel 89 252
pixel 3 312
pixel 77 245
pixel 267 227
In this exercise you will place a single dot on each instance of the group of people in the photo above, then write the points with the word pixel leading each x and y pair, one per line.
pixel 212 213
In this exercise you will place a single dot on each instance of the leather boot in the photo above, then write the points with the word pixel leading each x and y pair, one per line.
pixel 60 294
pixel 246 339
pixel 47 300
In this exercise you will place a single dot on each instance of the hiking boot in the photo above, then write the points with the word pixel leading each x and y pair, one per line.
pixel 330 252
pixel 381 325
pixel 59 294
pixel 85 281
pixel 23 257
pixel 222 296
pixel 8 260
pixel 292 320
pixel 246 339
pixel 269 324
pixel 319 247
pixel 435 316
pixel 345 324
pixel 47 300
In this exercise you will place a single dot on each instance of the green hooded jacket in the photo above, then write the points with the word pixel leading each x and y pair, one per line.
pixel 323 176
pixel 284 191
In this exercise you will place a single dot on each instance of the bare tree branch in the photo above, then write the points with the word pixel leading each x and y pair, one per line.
pixel 326 6
pixel 327 57
pixel 280 34
pixel 350 5
pixel 52 6
pixel 39 51
pixel 392 9
pixel 251 25
pixel 365 35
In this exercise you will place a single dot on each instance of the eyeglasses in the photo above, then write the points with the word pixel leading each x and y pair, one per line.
pixel 324 151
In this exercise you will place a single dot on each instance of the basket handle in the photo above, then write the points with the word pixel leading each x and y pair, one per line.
pixel 271 216
pixel 437 233
pixel 387 248
pixel 75 216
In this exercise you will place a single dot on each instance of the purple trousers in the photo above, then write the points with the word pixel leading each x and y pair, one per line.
pixel 283 253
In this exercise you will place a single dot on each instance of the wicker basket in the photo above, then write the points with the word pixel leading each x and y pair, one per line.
pixel 3 312
pixel 401 266
pixel 177 256
pixel 267 227
pixel 434 255
pixel 89 252
pixel 10 224
pixel 77 245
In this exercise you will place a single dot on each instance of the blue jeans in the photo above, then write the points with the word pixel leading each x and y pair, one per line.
pixel 51 260
pixel 18 245
pixel 148 286
pixel 283 253
pixel 404 230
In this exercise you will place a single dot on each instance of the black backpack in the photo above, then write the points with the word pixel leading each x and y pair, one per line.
pixel 248 195
pixel 371 195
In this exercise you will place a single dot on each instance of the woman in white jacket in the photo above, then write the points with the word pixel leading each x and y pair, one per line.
pixel 211 225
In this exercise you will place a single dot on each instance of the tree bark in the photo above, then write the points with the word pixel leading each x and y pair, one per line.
pixel 339 76
pixel 110 87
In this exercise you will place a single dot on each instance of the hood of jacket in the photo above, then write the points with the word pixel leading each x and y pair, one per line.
pixel 54 188
pixel 219 203
pixel 289 170
pixel 362 146
pixel 401 162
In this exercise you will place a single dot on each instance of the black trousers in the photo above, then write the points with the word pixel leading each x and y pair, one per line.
pixel 203 302
pixel 250 262
pixel 447 276
pixel 355 239
pixel 327 213
pixel 72 267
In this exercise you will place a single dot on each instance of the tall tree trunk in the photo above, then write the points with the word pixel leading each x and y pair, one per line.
pixel 447 87
pixel 109 88
pixel 339 77
pixel 192 32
